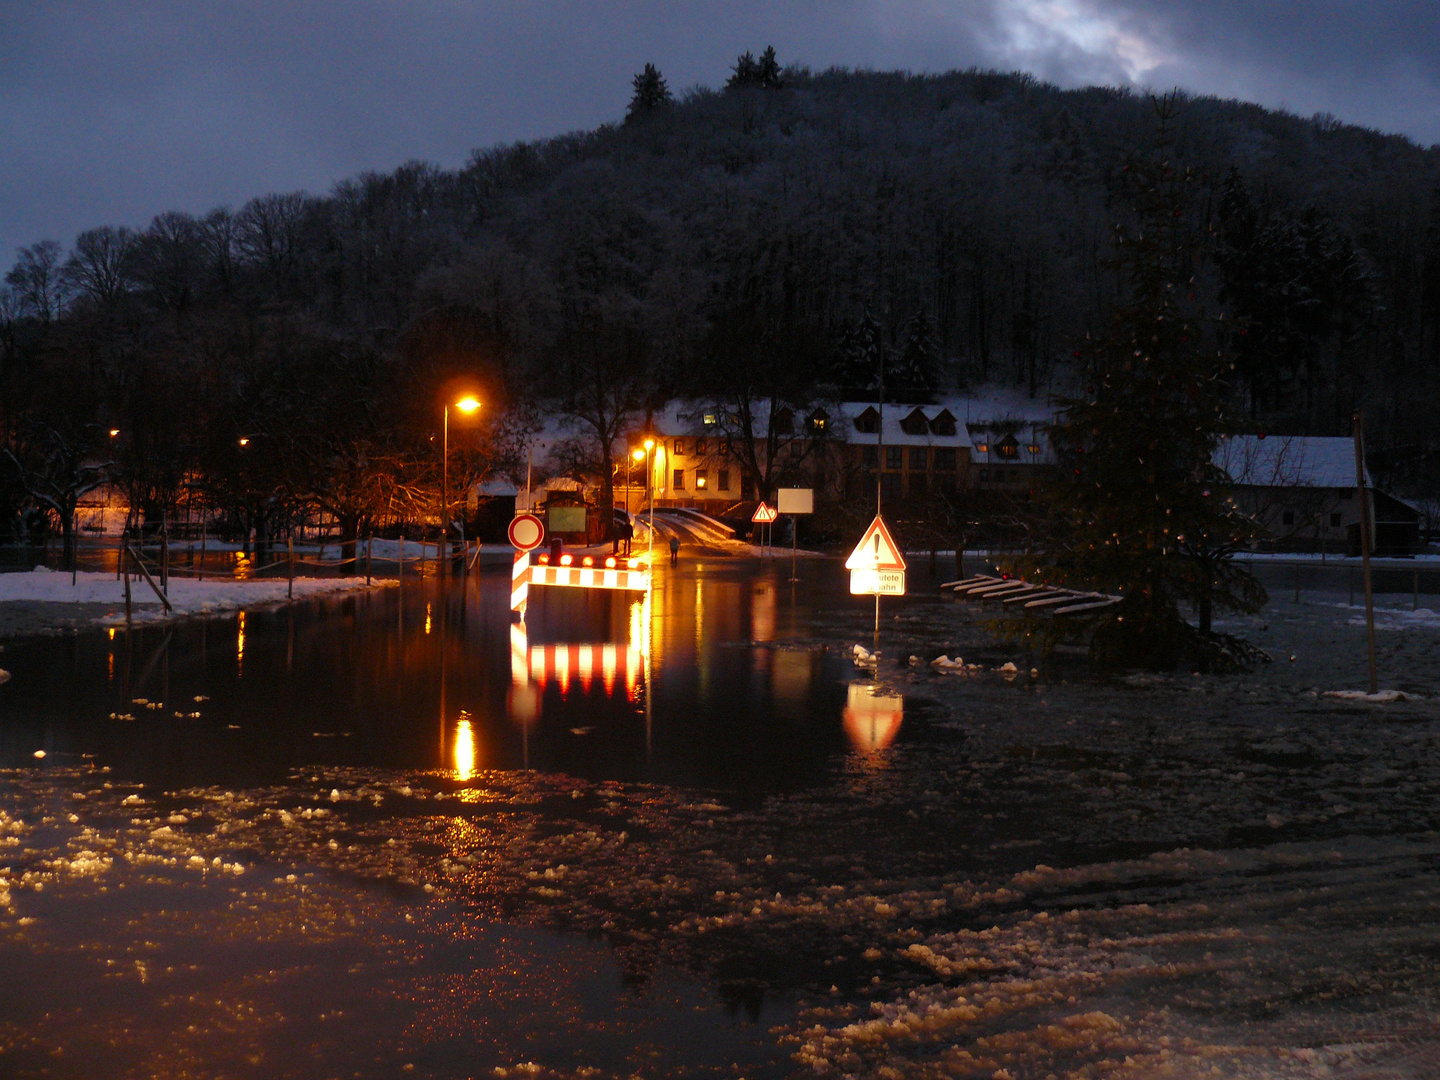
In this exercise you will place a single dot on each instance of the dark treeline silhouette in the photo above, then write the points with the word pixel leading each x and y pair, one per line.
pixel 778 235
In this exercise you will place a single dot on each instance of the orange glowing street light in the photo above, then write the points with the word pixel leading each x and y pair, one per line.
pixel 114 431
pixel 244 441
pixel 467 404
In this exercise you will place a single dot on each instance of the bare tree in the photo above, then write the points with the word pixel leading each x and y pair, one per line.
pixel 37 280
pixel 102 266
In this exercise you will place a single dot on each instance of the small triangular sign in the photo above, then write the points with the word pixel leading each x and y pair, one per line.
pixel 877 550
pixel 763 514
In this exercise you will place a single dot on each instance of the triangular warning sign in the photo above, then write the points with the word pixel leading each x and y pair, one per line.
pixel 877 550
pixel 763 514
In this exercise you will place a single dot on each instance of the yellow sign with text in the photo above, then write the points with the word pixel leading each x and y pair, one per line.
pixel 865 581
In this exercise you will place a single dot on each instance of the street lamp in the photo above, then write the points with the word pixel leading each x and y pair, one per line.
pixel 468 404
pixel 638 455
pixel 650 489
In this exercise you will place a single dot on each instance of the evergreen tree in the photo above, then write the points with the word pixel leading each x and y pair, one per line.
pixel 767 70
pixel 744 73
pixel 1141 506
pixel 917 369
pixel 862 356
pixel 748 71
pixel 651 93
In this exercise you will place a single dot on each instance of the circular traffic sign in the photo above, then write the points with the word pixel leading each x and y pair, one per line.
pixel 527 532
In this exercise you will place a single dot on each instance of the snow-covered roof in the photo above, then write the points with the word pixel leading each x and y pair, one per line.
pixel 1309 461
pixel 895 435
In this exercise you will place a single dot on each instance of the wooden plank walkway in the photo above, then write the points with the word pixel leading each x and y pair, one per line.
pixel 1042 599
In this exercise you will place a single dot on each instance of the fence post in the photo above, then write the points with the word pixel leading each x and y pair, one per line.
pixel 369 548
pixel 201 575
pixel 125 565
pixel 290 585
pixel 400 573
pixel 164 558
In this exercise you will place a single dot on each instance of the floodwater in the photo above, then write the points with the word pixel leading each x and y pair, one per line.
pixel 436 676
pixel 389 835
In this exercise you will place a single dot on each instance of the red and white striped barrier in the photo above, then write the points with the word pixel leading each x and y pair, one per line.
pixel 523 575
pixel 520 583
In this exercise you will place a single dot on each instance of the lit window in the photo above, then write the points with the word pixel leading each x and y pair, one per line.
pixel 709 419
pixel 679 484
pixel 679 448
pixel 983 448
pixel 700 478
pixel 1034 448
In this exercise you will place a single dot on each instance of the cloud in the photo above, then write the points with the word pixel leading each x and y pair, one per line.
pixel 115 112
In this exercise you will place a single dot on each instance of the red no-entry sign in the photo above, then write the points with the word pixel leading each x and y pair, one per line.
pixel 527 532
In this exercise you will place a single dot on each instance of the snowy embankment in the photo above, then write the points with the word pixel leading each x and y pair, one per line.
pixel 103 595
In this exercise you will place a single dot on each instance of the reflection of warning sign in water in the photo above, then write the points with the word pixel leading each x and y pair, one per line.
pixel 872 720
pixel 876 566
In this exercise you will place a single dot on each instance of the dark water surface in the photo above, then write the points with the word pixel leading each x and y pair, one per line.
pixel 433 676
pixel 734 854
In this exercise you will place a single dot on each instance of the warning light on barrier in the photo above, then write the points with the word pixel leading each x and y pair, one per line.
pixel 587 561
pixel 610 563
pixel 566 560
pixel 544 560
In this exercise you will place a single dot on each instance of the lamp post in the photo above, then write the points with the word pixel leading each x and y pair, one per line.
pixel 638 455
pixel 467 404
pixel 650 494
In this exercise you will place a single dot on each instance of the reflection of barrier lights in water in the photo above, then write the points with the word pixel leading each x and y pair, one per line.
pixel 240 645
pixel 582 664
pixel 464 748
pixel 872 720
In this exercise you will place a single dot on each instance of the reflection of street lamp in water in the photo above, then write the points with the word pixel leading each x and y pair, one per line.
pixel 464 748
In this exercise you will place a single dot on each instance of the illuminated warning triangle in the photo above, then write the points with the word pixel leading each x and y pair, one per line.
pixel 877 550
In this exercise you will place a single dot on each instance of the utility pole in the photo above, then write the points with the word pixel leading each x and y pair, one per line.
pixel 1365 522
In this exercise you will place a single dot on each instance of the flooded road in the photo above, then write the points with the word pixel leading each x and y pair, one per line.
pixel 734 853
pixel 423 676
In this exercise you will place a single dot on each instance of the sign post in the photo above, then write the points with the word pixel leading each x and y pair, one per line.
pixel 877 568
pixel 794 501
pixel 763 515
pixel 526 532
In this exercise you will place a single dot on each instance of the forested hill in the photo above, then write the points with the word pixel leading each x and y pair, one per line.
pixel 729 231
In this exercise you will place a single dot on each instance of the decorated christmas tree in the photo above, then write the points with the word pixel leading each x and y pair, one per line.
pixel 1140 508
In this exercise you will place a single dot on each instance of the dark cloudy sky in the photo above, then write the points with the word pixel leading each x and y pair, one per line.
pixel 111 112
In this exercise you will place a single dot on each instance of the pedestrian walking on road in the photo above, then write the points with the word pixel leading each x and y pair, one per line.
pixel 674 551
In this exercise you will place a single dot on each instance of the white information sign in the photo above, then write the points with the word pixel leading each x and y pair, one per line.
pixel 867 581
pixel 795 500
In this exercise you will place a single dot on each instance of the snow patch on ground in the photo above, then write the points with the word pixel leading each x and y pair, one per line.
pixel 187 597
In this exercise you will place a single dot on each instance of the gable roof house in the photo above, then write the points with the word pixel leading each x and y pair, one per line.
pixel 1301 490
